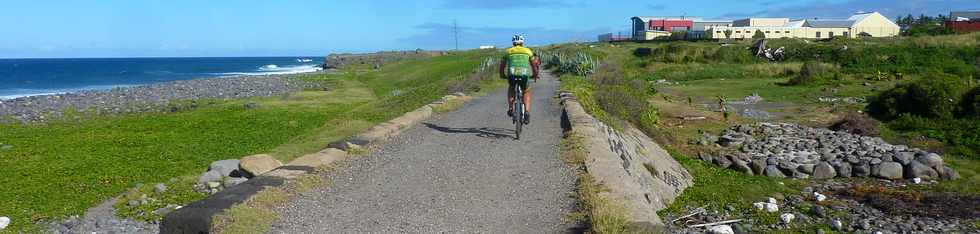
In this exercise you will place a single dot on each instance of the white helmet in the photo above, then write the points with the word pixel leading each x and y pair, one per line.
pixel 518 39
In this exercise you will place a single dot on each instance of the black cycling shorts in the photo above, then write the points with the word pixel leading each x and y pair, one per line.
pixel 514 80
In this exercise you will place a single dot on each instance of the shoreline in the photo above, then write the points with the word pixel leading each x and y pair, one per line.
pixel 126 99
pixel 64 91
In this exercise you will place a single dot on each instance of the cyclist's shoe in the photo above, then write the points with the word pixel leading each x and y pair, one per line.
pixel 510 113
pixel 527 117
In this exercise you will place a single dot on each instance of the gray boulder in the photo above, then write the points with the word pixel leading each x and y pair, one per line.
pixel 758 166
pixel 948 173
pixel 772 161
pixel 904 157
pixel 705 157
pixel 741 166
pixel 787 165
pixel 861 169
pixel 843 169
pixel 232 181
pixel 888 170
pixel 773 171
pixel 805 168
pixel 824 171
pixel 932 160
pixel 209 176
pixel 722 161
pixel 228 167
pixel 919 170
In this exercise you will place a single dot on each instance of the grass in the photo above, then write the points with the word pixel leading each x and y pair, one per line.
pixel 62 168
pixel 717 187
pixel 256 215
pixel 604 215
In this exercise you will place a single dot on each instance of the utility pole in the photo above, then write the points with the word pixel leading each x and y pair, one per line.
pixel 456 34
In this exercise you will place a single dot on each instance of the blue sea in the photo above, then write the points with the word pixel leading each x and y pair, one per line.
pixel 27 77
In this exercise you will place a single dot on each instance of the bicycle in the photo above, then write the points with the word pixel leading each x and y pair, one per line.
pixel 518 116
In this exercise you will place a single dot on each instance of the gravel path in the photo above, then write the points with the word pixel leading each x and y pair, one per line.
pixel 461 172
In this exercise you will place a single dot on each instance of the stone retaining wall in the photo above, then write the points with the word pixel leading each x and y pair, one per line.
pixel 197 216
pixel 637 172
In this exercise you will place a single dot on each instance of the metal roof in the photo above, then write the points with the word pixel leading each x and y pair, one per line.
pixel 965 14
pixel 859 17
pixel 648 18
pixel 830 23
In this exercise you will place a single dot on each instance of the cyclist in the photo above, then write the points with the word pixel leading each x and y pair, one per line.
pixel 519 65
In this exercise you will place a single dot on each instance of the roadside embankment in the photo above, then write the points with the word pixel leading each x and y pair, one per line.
pixel 153 97
pixel 638 177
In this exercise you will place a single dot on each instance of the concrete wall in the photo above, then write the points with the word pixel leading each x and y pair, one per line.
pixel 761 22
pixel 639 27
pixel 637 173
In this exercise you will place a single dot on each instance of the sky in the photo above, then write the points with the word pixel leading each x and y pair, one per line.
pixel 219 28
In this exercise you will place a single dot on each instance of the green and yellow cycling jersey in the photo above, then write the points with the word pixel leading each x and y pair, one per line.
pixel 519 61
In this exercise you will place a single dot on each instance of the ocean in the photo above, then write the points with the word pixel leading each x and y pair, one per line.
pixel 28 77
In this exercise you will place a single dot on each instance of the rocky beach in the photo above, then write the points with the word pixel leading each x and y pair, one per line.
pixel 147 98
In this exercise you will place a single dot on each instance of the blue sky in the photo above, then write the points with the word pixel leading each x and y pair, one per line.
pixel 125 28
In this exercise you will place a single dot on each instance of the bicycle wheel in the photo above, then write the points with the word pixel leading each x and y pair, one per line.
pixel 518 113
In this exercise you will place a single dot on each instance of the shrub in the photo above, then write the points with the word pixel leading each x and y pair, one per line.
pixel 857 123
pixel 936 97
pixel 624 98
pixel 758 34
pixel 642 52
pixel 970 105
pixel 809 73
pixel 962 136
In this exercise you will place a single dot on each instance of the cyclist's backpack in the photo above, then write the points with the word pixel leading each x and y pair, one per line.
pixel 519 63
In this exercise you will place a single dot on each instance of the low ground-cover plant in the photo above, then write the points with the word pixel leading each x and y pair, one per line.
pixel 810 73
pixel 934 97
pixel 962 136
pixel 970 105
pixel 62 168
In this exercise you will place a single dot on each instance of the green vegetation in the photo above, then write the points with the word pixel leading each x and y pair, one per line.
pixel 62 168
pixel 923 25
pixel 936 97
pixel 810 73
pixel 257 215
pixel 717 188
pixel 922 89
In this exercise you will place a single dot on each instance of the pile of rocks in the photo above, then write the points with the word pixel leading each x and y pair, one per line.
pixel 155 97
pixel 230 172
pixel 791 150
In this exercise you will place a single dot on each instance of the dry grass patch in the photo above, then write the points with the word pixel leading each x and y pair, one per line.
pixel 602 215
pixel 257 214
pixel 450 105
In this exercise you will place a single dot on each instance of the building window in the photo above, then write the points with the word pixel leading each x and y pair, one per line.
pixel 787 31
pixel 818 34
pixel 768 32
pixel 738 31
pixel 831 34
pixel 847 34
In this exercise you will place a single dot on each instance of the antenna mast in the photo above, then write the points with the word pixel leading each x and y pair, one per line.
pixel 456 34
